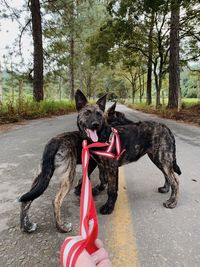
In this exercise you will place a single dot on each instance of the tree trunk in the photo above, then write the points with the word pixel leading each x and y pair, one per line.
pixel 88 84
pixel 12 84
pixel 20 92
pixel 158 98
pixel 71 67
pixel 71 44
pixel 80 76
pixel 133 84
pixel 161 76
pixel 13 91
pixel 1 86
pixel 60 88
pixel 198 86
pixel 149 64
pixel 174 71
pixel 141 88
pixel 157 87
pixel 38 93
pixel 163 98
pixel 133 93
pixel 143 84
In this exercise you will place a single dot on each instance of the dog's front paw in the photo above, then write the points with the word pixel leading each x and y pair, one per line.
pixel 64 227
pixel 97 189
pixel 28 227
pixel 163 189
pixel 106 209
pixel 77 190
pixel 170 203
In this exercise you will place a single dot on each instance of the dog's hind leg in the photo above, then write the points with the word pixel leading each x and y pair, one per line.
pixel 174 183
pixel 156 161
pixel 103 181
pixel 164 161
pixel 165 187
pixel 112 190
pixel 65 186
pixel 25 224
pixel 91 168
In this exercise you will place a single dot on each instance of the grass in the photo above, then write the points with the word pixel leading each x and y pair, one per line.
pixel 190 111
pixel 189 102
pixel 28 109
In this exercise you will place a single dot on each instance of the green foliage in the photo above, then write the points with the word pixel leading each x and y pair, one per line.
pixel 28 109
pixel 111 40
pixel 140 106
pixel 190 111
pixel 124 38
pixel 100 44
pixel 190 102
pixel 190 83
pixel 65 22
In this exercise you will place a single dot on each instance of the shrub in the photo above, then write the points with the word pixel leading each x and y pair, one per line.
pixel 28 109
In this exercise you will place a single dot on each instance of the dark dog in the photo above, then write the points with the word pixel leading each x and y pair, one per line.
pixel 137 139
pixel 112 118
pixel 61 154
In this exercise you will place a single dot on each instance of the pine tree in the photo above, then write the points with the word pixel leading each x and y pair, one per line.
pixel 174 63
pixel 38 94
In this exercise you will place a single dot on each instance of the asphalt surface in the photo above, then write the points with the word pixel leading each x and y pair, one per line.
pixel 167 237
pixel 140 232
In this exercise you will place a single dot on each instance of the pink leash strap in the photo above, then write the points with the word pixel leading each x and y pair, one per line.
pixel 73 246
pixel 115 140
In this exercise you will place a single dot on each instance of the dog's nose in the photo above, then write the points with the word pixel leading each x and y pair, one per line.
pixel 95 124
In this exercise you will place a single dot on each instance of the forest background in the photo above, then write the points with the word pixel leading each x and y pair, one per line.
pixel 142 53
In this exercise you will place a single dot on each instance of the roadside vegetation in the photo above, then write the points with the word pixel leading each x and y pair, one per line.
pixel 136 51
pixel 27 109
pixel 189 112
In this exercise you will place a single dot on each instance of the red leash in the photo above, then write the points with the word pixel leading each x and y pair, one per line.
pixel 73 246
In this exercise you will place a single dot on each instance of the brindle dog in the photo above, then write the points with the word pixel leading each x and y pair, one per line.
pixel 61 155
pixel 147 137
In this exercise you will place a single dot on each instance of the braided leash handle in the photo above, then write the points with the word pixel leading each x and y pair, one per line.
pixel 73 246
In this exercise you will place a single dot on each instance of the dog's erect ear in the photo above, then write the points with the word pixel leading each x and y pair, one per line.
pixel 102 102
pixel 80 100
pixel 111 109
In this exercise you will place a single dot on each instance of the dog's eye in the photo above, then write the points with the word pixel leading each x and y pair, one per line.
pixel 98 114
pixel 87 113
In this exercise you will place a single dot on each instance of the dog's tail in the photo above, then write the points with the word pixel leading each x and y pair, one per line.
pixel 42 180
pixel 176 167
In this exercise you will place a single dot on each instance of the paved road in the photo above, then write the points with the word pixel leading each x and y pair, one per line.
pixel 166 237
pixel 140 232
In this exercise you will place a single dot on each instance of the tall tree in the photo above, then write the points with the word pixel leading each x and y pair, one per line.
pixel 141 28
pixel 174 69
pixel 1 87
pixel 150 57
pixel 67 29
pixel 160 62
pixel 72 47
pixel 38 94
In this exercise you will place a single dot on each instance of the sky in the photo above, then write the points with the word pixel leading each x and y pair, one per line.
pixel 9 31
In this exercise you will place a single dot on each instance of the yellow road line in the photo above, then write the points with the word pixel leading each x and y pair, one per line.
pixel 122 242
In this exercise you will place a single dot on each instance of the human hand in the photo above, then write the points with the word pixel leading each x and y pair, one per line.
pixel 85 260
pixel 97 259
pixel 100 257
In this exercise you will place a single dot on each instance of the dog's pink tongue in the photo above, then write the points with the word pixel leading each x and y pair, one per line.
pixel 92 135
